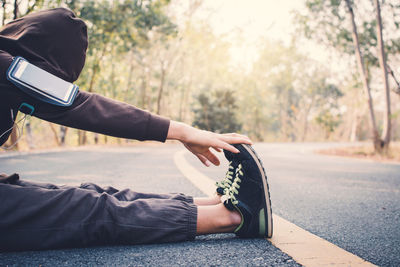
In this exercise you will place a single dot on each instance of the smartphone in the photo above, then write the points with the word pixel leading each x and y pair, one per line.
pixel 40 83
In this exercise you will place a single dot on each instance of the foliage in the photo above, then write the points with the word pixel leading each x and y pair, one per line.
pixel 284 93
pixel 327 21
pixel 184 71
pixel 217 112
pixel 356 27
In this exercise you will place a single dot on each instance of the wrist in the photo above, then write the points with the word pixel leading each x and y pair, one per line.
pixel 176 131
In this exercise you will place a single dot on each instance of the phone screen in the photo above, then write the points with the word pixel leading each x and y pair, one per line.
pixel 43 81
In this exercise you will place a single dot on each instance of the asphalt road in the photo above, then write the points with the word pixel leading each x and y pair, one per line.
pixel 352 203
pixel 146 169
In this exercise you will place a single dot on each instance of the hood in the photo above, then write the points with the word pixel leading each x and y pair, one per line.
pixel 54 40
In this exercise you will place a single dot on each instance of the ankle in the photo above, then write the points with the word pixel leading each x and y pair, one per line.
pixel 236 218
pixel 231 218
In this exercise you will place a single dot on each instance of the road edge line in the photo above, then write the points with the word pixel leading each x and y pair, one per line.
pixel 304 247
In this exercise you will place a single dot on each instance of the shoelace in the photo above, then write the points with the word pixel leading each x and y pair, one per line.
pixel 234 189
pixel 227 181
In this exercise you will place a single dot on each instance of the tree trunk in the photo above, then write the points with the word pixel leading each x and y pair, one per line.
pixel 305 125
pixel 144 86
pixel 32 7
pixel 96 138
pixel 397 89
pixel 360 61
pixel 382 62
pixel 82 134
pixel 63 135
pixel 29 135
pixel 15 12
pixel 92 79
pixel 3 5
pixel 185 99
pixel 81 137
pixel 354 126
pixel 161 88
pixel 130 77
pixel 96 67
pixel 53 129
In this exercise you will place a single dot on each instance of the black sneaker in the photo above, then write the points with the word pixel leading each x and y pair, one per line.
pixel 226 183
pixel 249 194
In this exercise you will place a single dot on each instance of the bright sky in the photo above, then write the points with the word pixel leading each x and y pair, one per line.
pixel 257 18
pixel 254 20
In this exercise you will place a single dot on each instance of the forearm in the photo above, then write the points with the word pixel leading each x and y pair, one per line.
pixel 177 131
pixel 99 114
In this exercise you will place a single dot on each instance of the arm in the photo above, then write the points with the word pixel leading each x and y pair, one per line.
pixel 89 112
pixel 99 114
pixel 199 142
pixel 102 115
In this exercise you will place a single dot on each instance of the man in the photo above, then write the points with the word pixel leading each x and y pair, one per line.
pixel 45 216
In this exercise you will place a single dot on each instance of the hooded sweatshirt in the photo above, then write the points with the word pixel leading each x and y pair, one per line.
pixel 56 41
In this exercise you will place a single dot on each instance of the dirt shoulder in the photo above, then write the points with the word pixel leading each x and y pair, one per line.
pixel 365 151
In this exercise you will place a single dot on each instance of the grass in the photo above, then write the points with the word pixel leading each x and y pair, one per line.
pixel 366 151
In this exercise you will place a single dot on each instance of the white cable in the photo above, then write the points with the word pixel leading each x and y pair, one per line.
pixel 19 131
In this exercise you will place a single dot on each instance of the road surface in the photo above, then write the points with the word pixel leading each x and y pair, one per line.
pixel 352 203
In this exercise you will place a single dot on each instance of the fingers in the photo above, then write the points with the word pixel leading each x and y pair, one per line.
pixel 225 141
pixel 203 160
pixel 217 149
pixel 211 157
pixel 208 157
pixel 201 141
pixel 234 138
pixel 228 147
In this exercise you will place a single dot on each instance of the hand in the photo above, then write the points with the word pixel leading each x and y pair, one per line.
pixel 199 142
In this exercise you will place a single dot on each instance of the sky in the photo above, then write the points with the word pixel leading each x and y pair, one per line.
pixel 254 20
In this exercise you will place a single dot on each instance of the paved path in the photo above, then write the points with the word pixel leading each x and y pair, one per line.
pixel 147 169
pixel 351 203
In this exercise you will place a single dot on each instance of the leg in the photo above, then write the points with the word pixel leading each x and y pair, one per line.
pixel 206 201
pixel 212 219
pixel 38 218
pixel 129 195
pixel 216 219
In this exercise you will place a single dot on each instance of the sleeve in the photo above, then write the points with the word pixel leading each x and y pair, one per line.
pixel 5 62
pixel 90 112
pixel 95 113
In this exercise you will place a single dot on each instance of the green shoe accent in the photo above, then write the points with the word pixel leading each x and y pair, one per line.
pixel 261 222
pixel 242 221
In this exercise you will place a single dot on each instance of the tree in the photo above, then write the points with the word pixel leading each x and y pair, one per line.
pixel 320 99
pixel 283 94
pixel 217 112
pixel 386 133
pixel 115 28
pixel 326 22
pixel 16 12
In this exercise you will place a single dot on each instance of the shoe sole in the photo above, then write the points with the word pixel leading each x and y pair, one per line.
pixel 267 198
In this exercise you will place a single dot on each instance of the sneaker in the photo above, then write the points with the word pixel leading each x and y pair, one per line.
pixel 226 183
pixel 249 195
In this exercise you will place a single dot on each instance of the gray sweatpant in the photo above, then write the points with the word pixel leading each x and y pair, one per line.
pixel 37 216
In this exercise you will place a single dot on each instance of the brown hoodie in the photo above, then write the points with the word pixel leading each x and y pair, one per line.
pixel 56 41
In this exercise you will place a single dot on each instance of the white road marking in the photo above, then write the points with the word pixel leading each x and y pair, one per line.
pixel 304 247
